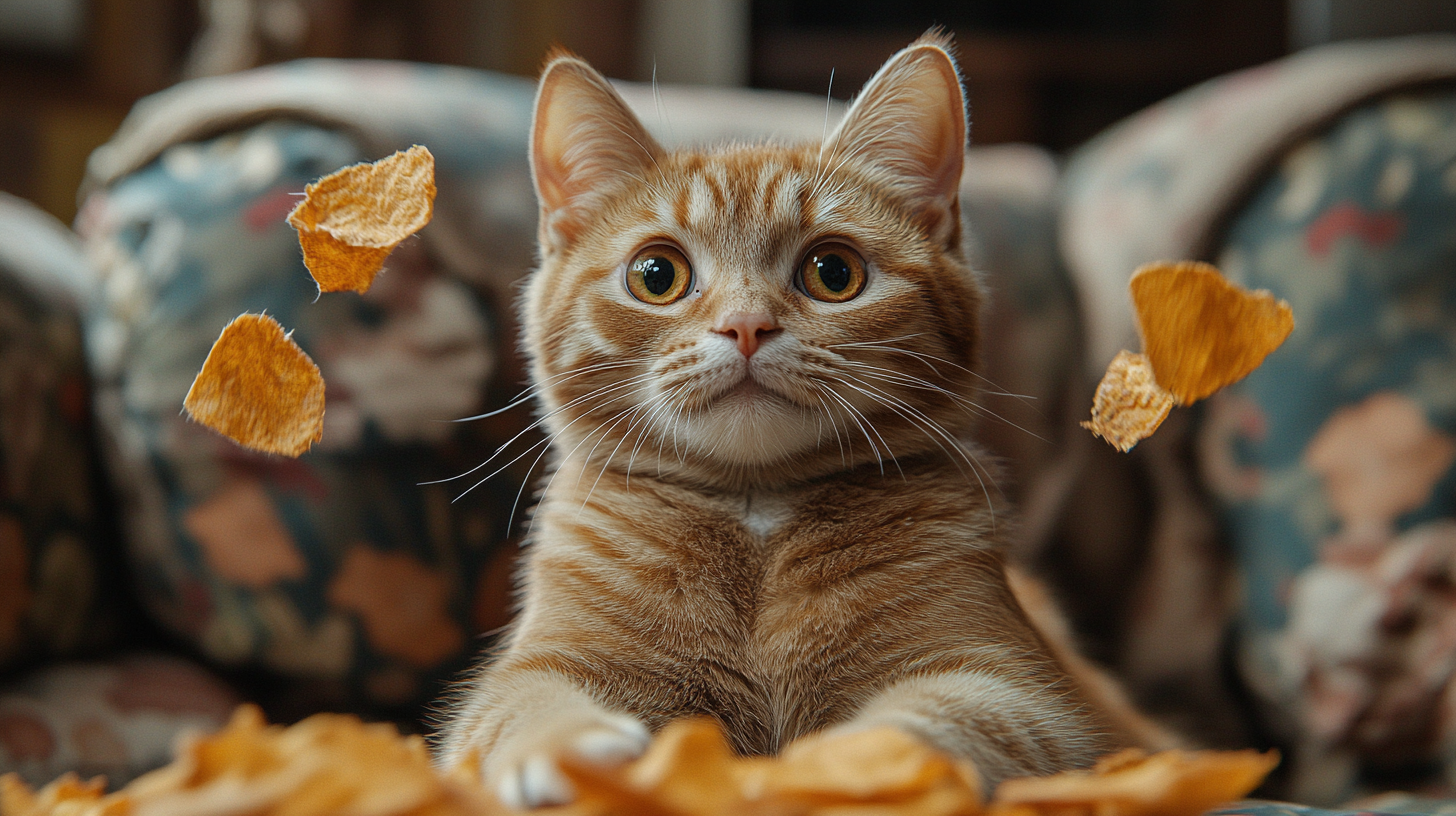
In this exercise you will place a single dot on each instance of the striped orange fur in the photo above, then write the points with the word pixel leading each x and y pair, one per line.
pixel 761 507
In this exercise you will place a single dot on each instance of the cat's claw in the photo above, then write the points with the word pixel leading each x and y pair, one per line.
pixel 538 780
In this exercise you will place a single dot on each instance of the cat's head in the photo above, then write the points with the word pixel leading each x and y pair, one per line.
pixel 753 313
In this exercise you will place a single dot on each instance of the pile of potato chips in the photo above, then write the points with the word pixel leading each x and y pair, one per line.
pixel 327 764
pixel 257 387
pixel 335 764
pixel 1200 333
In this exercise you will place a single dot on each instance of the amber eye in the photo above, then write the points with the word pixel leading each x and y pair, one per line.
pixel 832 272
pixel 659 275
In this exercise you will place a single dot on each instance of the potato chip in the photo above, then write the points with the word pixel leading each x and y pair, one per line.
pixel 1201 331
pixel 690 770
pixel 1129 405
pixel 1168 783
pixel 259 389
pixel 326 765
pixel 66 793
pixel 349 221
pixel 332 764
pixel 881 764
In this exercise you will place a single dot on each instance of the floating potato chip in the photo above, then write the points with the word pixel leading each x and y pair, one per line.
pixel 1128 405
pixel 1130 783
pixel 259 389
pixel 349 221
pixel 1201 331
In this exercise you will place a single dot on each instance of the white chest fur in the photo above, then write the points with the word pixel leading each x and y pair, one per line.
pixel 766 513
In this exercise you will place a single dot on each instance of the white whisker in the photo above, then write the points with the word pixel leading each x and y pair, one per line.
pixel 970 407
pixel 857 417
pixel 627 383
pixel 548 439
pixel 926 425
pixel 534 389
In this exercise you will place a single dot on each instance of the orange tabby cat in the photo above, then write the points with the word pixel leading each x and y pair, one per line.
pixel 755 364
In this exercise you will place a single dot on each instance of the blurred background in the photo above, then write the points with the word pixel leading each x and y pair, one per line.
pixel 1052 72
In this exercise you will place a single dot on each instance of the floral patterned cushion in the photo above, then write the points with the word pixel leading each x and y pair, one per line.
pixel 1336 461
pixel 352 568
pixel 1277 558
pixel 57 547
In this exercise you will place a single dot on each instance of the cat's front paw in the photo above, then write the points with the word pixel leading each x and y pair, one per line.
pixel 526 773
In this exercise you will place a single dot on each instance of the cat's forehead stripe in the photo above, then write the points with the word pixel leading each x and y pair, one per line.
pixel 717 193
pixel 771 188
pixel 705 200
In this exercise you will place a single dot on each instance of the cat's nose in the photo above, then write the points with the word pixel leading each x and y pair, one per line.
pixel 748 330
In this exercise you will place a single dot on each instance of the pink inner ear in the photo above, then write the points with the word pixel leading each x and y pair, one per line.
pixel 584 137
pixel 547 154
pixel 910 120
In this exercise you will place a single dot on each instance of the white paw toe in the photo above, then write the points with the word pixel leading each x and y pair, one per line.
pixel 622 740
pixel 508 790
pixel 536 783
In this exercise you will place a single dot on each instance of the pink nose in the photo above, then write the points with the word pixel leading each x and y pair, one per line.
pixel 747 330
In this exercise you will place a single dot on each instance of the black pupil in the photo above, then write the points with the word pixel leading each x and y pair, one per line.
pixel 834 272
pixel 658 274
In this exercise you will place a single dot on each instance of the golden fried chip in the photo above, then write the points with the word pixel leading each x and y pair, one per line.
pixel 690 770
pixel 1201 331
pixel 67 794
pixel 882 764
pixel 326 765
pixel 332 764
pixel 1129 404
pixel 349 221
pixel 1168 783
pixel 259 389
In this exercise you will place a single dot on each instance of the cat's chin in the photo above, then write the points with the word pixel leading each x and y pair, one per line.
pixel 750 426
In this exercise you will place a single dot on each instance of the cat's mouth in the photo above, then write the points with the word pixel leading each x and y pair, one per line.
pixel 747 388
pixel 736 391
pixel 746 393
pixel 762 391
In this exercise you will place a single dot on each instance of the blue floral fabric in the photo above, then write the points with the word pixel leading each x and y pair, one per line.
pixel 1334 460
pixel 340 568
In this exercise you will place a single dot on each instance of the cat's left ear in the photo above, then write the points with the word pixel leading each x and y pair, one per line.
pixel 909 125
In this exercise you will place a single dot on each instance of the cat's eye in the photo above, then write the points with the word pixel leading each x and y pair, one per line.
pixel 832 272
pixel 659 275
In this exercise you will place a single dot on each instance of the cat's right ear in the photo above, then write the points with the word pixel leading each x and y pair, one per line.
pixel 584 141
